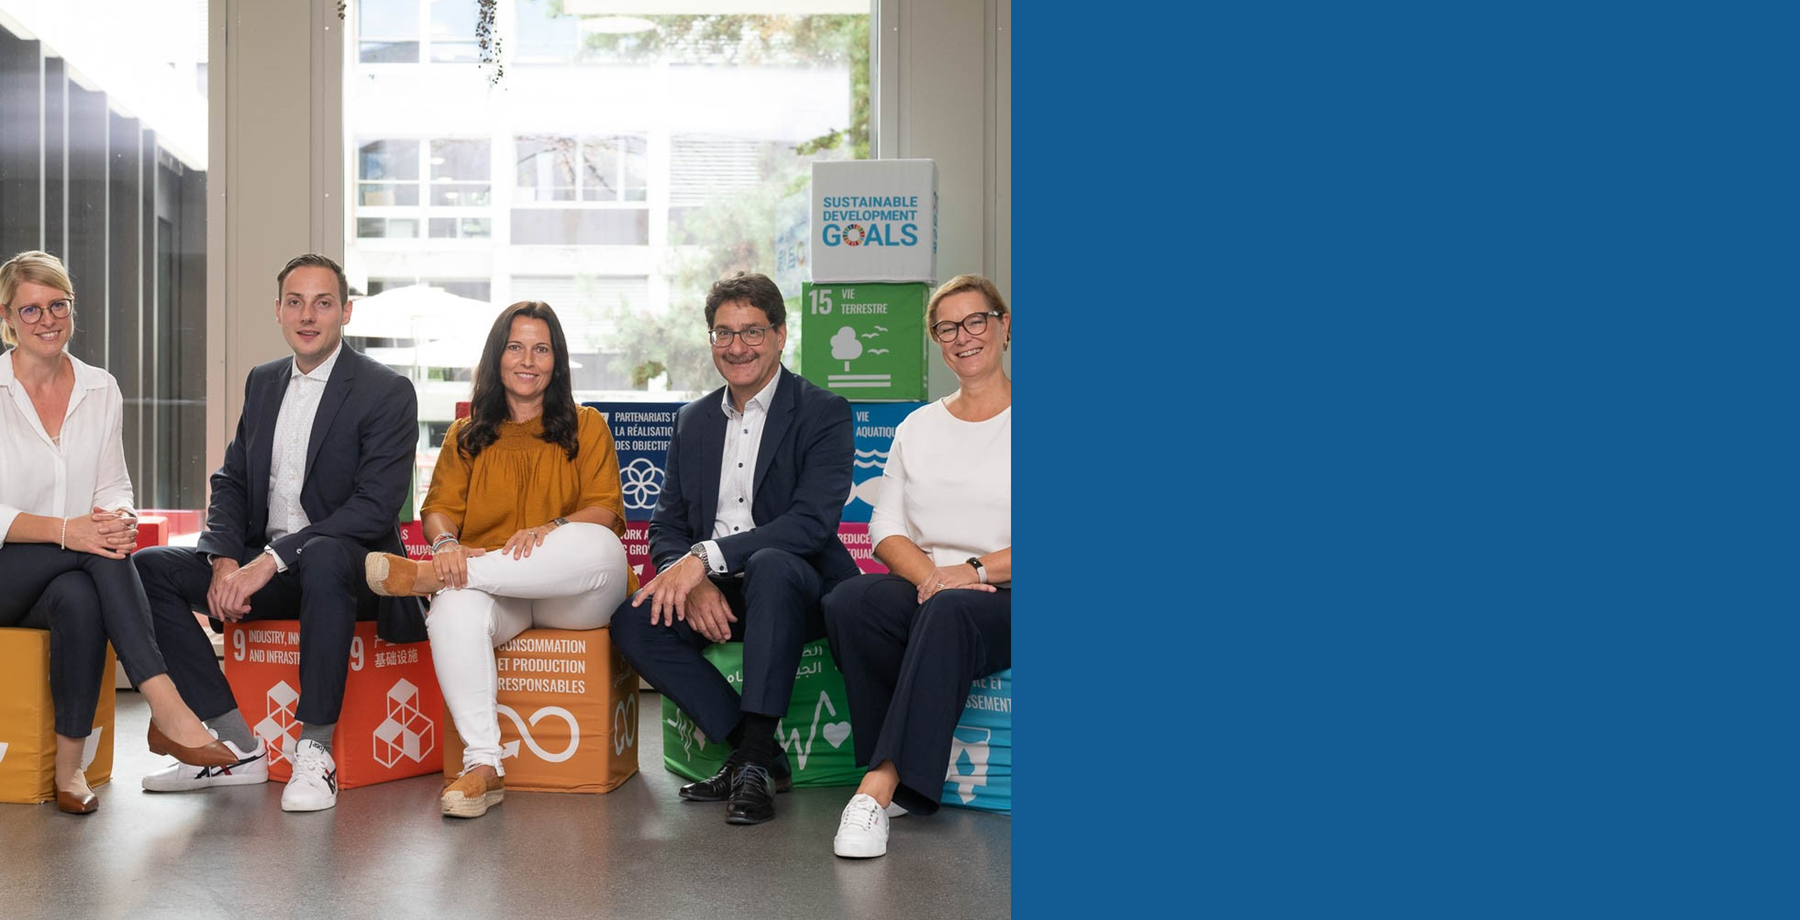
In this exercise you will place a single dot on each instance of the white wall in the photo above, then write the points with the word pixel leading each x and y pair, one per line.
pixel 276 151
pixel 275 186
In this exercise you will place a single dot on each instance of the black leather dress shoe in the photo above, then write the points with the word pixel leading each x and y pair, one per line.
pixel 717 787
pixel 752 798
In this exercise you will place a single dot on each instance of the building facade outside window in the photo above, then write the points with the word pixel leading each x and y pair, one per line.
pixel 610 166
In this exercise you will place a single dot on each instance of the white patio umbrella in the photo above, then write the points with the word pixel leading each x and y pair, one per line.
pixel 419 311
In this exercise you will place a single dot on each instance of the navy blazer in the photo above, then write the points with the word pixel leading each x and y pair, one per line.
pixel 801 483
pixel 359 462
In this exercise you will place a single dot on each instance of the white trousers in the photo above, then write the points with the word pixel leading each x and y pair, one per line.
pixel 575 580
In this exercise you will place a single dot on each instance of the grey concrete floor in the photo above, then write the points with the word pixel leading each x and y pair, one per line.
pixel 385 851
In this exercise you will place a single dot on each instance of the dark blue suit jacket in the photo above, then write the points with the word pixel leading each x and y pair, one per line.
pixel 359 461
pixel 801 483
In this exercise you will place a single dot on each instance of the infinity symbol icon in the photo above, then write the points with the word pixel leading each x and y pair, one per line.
pixel 511 748
pixel 625 719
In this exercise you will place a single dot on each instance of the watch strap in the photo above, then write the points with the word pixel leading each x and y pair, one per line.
pixel 980 570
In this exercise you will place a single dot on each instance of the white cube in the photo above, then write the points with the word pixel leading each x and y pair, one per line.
pixel 874 220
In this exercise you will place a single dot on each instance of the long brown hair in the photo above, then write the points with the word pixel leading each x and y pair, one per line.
pixel 487 407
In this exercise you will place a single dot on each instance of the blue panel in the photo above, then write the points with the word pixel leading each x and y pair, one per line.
pixel 875 423
pixel 641 434
pixel 980 771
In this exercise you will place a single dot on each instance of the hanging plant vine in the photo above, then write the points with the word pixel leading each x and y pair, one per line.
pixel 488 40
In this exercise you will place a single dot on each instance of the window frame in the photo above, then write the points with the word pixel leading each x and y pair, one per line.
pixel 425 211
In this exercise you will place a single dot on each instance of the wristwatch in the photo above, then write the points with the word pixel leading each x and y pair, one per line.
pixel 559 521
pixel 980 570
pixel 699 552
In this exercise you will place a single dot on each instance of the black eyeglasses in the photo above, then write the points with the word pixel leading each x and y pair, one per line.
pixel 974 324
pixel 58 308
pixel 752 336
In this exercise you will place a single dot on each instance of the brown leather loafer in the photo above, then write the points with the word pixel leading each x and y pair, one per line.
pixel 83 804
pixel 397 576
pixel 213 754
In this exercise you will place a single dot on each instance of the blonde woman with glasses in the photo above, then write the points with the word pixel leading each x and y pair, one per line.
pixel 911 642
pixel 67 528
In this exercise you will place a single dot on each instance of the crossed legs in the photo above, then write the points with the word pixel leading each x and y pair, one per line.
pixel 574 580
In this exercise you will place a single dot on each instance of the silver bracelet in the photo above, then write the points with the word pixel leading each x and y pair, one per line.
pixel 443 539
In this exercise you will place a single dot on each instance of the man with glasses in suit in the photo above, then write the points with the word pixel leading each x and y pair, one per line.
pixel 744 539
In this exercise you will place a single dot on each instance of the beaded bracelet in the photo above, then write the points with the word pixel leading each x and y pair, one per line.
pixel 63 542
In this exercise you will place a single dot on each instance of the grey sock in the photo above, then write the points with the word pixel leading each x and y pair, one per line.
pixel 232 727
pixel 319 733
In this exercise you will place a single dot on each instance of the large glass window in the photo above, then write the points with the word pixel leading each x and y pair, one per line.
pixel 453 30
pixel 411 31
pixel 388 174
pixel 104 166
pixel 613 166
pixel 390 31
pixel 460 174
pixel 391 185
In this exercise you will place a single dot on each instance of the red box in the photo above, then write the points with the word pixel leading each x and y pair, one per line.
pixel 637 551
pixel 180 521
pixel 153 530
pixel 390 724
pixel 412 534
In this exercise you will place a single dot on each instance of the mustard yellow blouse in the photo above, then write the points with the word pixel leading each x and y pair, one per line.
pixel 521 480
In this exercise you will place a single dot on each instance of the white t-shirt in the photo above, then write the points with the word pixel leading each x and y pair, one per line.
pixel 947 485
pixel 82 469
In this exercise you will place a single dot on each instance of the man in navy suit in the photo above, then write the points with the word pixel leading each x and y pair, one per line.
pixel 745 542
pixel 313 481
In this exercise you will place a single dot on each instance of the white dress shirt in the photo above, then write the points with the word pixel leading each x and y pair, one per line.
pixel 82 469
pixel 287 464
pixel 737 474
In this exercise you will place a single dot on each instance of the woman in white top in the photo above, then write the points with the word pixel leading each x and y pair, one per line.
pixel 67 525
pixel 910 643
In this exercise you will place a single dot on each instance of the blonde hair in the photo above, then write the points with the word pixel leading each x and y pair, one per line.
pixel 962 283
pixel 38 267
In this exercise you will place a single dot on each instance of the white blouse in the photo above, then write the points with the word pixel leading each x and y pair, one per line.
pixel 947 485
pixel 84 471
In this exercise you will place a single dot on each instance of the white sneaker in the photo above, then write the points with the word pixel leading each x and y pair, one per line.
pixel 863 832
pixel 313 787
pixel 251 768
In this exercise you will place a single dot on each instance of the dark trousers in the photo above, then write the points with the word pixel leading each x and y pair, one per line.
pixel 777 606
pixel 84 601
pixel 323 588
pixel 908 668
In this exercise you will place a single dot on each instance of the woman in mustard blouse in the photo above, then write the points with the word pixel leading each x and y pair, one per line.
pixel 524 516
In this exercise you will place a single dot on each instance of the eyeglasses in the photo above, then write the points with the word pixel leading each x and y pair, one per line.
pixel 973 324
pixel 752 336
pixel 58 308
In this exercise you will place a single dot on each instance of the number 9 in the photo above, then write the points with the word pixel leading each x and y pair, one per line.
pixel 356 654
pixel 237 644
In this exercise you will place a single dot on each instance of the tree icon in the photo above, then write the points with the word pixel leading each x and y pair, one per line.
pixel 845 347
